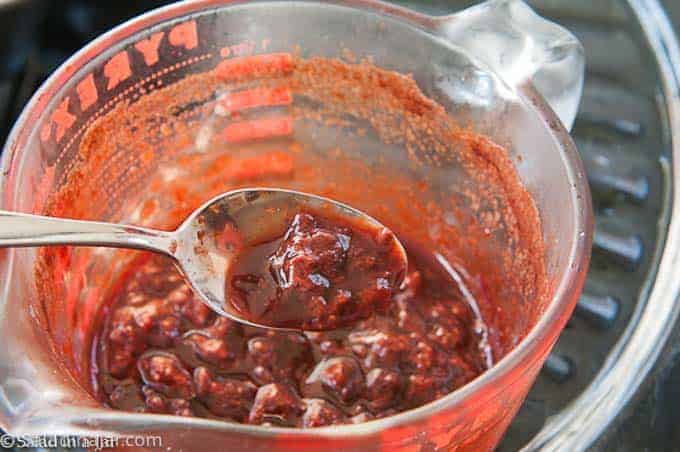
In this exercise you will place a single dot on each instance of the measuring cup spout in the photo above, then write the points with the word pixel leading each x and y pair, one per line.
pixel 524 49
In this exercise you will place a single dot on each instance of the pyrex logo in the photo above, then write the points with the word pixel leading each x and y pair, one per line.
pixel 116 70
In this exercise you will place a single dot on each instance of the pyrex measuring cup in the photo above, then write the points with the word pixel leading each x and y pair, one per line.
pixel 492 67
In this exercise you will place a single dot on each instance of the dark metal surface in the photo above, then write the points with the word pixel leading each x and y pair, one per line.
pixel 622 136
pixel 621 133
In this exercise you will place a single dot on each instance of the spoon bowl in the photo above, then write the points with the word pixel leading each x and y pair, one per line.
pixel 209 240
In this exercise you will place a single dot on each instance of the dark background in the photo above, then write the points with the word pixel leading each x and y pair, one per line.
pixel 38 35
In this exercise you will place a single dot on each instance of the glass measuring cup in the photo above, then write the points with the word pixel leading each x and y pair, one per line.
pixel 478 64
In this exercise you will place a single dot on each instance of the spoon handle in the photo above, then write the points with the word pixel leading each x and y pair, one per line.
pixel 23 230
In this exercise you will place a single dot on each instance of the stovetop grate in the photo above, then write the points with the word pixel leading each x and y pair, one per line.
pixel 622 136
pixel 621 131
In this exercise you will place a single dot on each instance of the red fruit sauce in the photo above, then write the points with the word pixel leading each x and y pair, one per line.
pixel 320 273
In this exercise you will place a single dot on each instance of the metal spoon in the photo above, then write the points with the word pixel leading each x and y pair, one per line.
pixel 205 244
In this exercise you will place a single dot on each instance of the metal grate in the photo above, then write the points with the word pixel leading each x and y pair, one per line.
pixel 623 140
pixel 623 137
pixel 622 133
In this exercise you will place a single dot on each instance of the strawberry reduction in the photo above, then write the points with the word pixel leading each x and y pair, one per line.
pixel 320 273
pixel 164 351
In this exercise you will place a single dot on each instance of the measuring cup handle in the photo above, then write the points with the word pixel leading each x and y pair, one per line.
pixel 521 47
pixel 22 230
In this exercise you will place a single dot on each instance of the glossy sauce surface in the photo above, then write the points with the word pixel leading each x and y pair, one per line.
pixel 320 273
